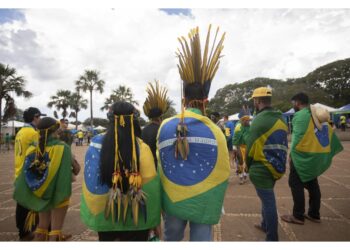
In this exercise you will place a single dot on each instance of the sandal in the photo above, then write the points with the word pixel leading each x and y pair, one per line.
pixel 56 235
pixel 41 234
pixel 291 219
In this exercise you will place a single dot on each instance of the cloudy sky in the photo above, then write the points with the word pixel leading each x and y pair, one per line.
pixel 51 48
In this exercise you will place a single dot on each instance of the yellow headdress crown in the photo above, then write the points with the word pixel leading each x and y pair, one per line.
pixel 195 68
pixel 157 102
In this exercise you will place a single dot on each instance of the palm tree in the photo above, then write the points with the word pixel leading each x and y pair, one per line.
pixel 10 82
pixel 77 102
pixel 122 93
pixel 61 101
pixel 90 81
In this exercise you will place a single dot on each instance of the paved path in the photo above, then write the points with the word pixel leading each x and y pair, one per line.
pixel 242 207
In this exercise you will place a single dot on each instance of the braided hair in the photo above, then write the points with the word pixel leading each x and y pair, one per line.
pixel 123 128
pixel 47 126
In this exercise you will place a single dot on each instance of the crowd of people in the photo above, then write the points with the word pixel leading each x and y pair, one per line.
pixel 177 168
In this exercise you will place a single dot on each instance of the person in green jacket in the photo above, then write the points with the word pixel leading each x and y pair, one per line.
pixel 239 143
pixel 267 147
pixel 313 147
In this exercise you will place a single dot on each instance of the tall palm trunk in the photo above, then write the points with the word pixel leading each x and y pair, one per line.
pixel 76 119
pixel 91 116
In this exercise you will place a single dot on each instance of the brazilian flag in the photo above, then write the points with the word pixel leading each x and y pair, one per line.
pixel 193 189
pixel 312 149
pixel 95 195
pixel 48 190
pixel 267 142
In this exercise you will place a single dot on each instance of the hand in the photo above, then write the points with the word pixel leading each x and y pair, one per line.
pixel 158 231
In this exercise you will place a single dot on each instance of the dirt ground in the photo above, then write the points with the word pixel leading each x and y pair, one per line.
pixel 242 207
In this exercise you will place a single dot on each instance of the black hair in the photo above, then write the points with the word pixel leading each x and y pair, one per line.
pixel 46 127
pixel 30 113
pixel 28 117
pixel 301 97
pixel 124 144
pixel 155 113
pixel 216 114
pixel 265 100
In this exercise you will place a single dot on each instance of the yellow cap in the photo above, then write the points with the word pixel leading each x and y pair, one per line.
pixel 261 92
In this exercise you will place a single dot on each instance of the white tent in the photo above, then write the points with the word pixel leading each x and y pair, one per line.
pixel 10 126
pixel 233 117
pixel 100 128
pixel 15 124
pixel 82 127
pixel 329 109
pixel 71 126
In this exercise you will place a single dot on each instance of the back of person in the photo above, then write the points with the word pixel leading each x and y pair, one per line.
pixel 229 130
pixel 194 188
pixel 66 136
pixel 36 194
pixel 312 146
pixel 80 134
pixel 95 196
pixel 267 146
pixel 149 136
pixel 342 119
pixel 44 185
pixel 121 189
pixel 25 137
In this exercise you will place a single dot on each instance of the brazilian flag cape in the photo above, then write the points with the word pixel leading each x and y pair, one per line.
pixel 95 195
pixel 312 149
pixel 240 133
pixel 193 189
pixel 46 192
pixel 267 142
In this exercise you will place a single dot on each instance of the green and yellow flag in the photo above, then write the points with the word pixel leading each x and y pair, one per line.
pixel 193 189
pixel 312 149
pixel 95 195
pixel 267 143
pixel 48 190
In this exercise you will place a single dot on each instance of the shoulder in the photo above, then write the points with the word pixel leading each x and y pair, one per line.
pixel 97 139
pixel 301 115
pixel 145 151
pixel 238 127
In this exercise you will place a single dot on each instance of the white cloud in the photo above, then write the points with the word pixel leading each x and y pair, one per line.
pixel 52 47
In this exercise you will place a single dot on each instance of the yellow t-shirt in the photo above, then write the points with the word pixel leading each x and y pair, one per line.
pixel 342 119
pixel 80 134
pixel 24 138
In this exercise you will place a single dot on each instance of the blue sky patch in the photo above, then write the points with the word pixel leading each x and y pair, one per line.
pixel 9 15
pixel 186 12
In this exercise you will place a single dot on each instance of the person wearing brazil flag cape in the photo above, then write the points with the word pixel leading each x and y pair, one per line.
pixel 44 184
pixel 313 146
pixel 156 104
pixel 267 147
pixel 239 144
pixel 121 188
pixel 194 162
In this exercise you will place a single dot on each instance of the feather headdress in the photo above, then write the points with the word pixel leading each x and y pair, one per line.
pixel 197 71
pixel 157 102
